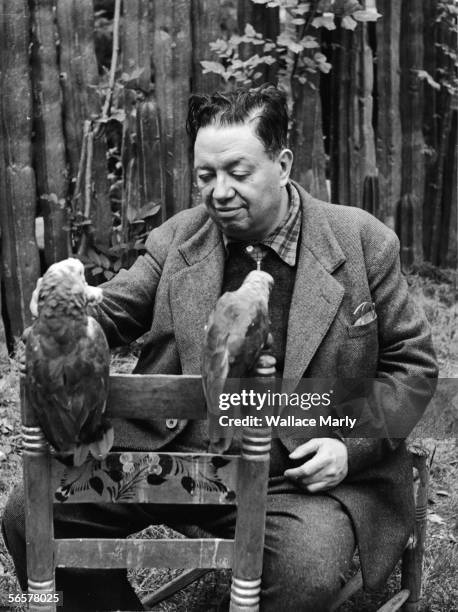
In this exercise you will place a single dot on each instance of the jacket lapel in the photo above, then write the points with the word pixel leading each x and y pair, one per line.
pixel 194 291
pixel 317 294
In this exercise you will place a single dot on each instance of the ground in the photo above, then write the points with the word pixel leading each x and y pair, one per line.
pixel 437 294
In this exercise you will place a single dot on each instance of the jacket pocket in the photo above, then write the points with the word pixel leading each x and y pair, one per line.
pixel 355 331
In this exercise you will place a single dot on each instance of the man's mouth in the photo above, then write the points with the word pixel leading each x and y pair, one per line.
pixel 227 212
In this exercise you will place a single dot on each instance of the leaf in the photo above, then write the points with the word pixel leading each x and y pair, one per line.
pixel 117 265
pixel 96 484
pixel 108 274
pixel 298 21
pixel 319 57
pixel 302 8
pixel 309 42
pixel 423 75
pixel 250 31
pixel 96 270
pixel 324 67
pixel 104 261
pixel 94 257
pixel 214 67
pixel 436 519
pixel 366 15
pixel 325 22
pixel 348 23
pixel 443 493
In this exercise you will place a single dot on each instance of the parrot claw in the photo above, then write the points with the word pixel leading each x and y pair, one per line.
pixel 101 448
pixel 80 454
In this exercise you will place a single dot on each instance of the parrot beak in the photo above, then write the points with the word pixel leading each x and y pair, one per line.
pixel 94 295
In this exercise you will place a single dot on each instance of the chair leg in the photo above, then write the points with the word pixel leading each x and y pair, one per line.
pixel 251 511
pixel 173 586
pixel 38 520
pixel 412 559
pixel 350 588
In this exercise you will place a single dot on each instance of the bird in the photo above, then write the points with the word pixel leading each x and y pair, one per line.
pixel 67 365
pixel 236 332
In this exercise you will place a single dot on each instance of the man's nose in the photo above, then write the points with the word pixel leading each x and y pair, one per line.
pixel 223 189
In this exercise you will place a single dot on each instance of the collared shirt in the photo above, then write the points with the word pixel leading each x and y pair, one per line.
pixel 284 239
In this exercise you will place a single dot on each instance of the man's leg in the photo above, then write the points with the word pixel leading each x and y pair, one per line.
pixel 83 589
pixel 309 545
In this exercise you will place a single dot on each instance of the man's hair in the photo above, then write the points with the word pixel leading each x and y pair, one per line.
pixel 266 105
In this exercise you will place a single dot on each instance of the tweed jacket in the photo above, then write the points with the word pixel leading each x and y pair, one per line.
pixel 345 257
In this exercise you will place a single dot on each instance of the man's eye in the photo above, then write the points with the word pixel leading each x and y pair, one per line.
pixel 240 175
pixel 204 177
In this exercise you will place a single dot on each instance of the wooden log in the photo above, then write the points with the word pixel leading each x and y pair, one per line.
pixel 362 153
pixel 306 134
pixel 389 135
pixel 79 73
pixel 80 80
pixel 151 175
pixel 50 158
pixel 339 129
pixel 143 162
pixel 437 235
pixel 306 138
pixel 3 334
pixel 207 26
pixel 404 225
pixel 172 57
pixel 136 48
pixel 352 134
pixel 266 21
pixel 110 553
pixel 431 121
pixel 413 172
pixel 20 260
pixel 449 250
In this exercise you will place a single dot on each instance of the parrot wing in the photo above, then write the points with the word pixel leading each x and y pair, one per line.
pixel 236 332
pixel 67 387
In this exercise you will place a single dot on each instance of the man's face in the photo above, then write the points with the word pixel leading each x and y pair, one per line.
pixel 241 186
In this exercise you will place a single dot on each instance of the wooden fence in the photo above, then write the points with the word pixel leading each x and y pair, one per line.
pixel 111 159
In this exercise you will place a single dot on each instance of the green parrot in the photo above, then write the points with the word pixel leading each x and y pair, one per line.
pixel 67 365
pixel 237 330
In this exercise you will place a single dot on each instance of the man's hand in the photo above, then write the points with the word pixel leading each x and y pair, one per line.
pixel 325 469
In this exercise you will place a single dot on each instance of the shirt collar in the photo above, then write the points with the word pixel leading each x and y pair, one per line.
pixel 284 239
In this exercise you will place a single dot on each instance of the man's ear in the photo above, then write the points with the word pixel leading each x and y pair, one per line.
pixel 285 159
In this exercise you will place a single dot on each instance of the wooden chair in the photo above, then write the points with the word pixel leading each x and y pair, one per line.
pixel 241 481
pixel 149 477
pixel 408 597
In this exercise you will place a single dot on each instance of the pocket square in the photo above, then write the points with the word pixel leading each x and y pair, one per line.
pixel 364 314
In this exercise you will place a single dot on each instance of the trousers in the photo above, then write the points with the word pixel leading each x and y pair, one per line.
pixel 309 544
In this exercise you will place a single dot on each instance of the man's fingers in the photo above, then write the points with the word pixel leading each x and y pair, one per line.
pixel 305 449
pixel 309 468
pixel 318 486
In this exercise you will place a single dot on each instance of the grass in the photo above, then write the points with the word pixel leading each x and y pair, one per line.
pixel 440 583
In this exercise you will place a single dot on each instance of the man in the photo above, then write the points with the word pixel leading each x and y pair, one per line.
pixel 325 494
